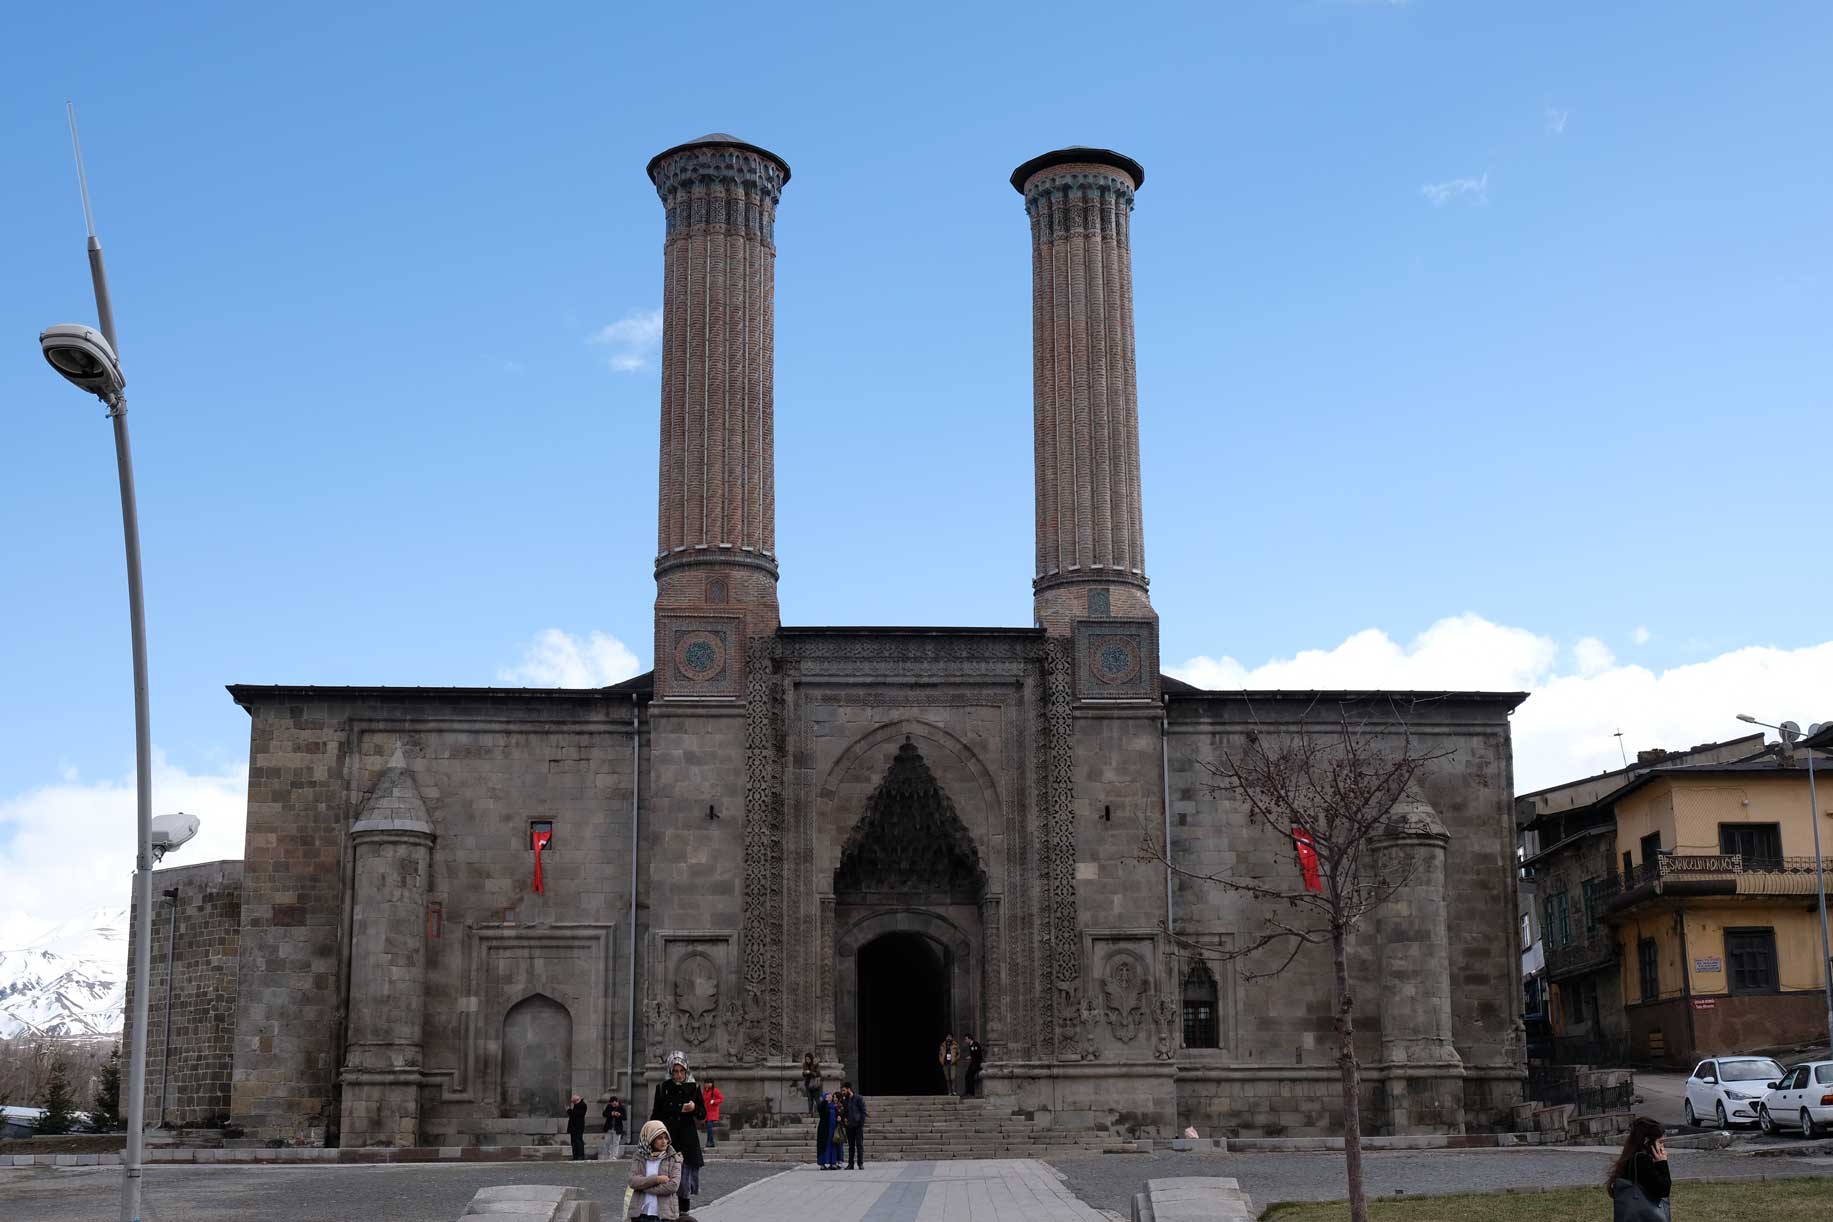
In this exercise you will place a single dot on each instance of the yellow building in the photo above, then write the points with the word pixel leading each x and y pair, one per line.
pixel 1714 911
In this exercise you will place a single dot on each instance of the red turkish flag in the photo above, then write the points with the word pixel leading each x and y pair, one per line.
pixel 540 839
pixel 1307 859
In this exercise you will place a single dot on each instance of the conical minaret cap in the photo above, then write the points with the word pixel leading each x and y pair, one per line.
pixel 1077 154
pixel 716 140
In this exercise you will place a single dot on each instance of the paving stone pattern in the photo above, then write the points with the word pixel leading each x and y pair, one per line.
pixel 1006 1190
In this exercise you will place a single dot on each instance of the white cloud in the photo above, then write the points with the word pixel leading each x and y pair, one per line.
pixel 559 659
pixel 633 339
pixel 1556 120
pixel 1593 656
pixel 67 848
pixel 1476 190
pixel 1566 728
pixel 1641 635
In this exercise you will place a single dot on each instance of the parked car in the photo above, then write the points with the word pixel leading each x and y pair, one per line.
pixel 1730 1090
pixel 1802 1099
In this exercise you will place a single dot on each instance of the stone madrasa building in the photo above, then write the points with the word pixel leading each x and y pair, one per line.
pixel 837 839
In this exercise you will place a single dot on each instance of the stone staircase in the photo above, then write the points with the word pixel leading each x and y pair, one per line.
pixel 920 1127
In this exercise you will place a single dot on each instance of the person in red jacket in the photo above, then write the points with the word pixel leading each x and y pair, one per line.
pixel 714 1097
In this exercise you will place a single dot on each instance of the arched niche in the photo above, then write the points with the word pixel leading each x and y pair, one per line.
pixel 537 1057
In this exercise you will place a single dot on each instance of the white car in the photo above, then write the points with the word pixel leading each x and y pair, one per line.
pixel 1802 1099
pixel 1729 1090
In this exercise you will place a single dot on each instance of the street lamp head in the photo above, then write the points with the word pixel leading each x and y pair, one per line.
pixel 83 356
pixel 170 831
pixel 1747 717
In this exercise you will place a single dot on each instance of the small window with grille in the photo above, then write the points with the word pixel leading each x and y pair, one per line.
pixel 1648 968
pixel 1201 1030
pixel 1750 960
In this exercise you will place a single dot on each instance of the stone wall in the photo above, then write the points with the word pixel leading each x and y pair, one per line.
pixel 197 924
pixel 487 764
pixel 1286 1020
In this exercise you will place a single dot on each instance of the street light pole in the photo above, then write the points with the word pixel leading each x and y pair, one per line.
pixel 1789 730
pixel 133 1162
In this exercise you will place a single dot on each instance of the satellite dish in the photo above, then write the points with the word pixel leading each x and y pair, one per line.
pixel 1790 731
pixel 170 831
pixel 1816 728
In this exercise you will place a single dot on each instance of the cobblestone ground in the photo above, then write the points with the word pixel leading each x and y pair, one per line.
pixel 317 1194
pixel 1108 1181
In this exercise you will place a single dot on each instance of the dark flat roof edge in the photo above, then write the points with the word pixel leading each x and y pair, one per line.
pixel 1351 695
pixel 902 630
pixel 1626 771
pixel 1569 841
pixel 243 693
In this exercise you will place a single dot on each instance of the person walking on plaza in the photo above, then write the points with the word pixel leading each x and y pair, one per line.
pixel 1639 1181
pixel 947 1056
pixel 973 1054
pixel 655 1175
pixel 824 1134
pixel 679 1105
pixel 576 1127
pixel 714 1097
pixel 614 1128
pixel 811 1080
pixel 854 1110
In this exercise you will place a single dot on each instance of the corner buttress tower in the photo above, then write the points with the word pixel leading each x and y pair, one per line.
pixel 716 567
pixel 1090 582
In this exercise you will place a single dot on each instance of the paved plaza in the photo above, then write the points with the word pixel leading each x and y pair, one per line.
pixel 963 1190
pixel 1012 1190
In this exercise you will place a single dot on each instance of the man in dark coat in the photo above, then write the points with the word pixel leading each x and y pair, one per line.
pixel 679 1105
pixel 576 1126
pixel 855 1112
pixel 973 1052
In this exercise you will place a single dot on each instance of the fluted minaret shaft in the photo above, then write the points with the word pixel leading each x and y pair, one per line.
pixel 1090 541
pixel 716 512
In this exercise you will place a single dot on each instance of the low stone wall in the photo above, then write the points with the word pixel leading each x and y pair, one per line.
pixel 196 953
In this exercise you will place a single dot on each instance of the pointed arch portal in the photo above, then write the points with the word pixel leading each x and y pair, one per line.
pixel 907 893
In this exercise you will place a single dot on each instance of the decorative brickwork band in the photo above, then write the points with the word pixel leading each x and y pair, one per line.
pixel 1084 389
pixel 716 500
pixel 1062 961
pixel 761 936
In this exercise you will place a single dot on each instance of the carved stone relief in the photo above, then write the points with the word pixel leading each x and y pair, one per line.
pixel 1124 995
pixel 696 998
pixel 1165 1017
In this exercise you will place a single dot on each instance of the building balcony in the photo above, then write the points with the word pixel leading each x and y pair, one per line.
pixel 1688 874
pixel 1587 954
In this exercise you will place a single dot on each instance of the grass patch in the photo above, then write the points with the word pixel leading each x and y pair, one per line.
pixel 1788 1200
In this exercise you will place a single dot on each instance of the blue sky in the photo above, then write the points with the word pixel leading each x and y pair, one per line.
pixel 1495 322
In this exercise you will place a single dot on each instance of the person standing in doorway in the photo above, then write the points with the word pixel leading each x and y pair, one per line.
pixel 947 1056
pixel 576 1126
pixel 811 1080
pixel 679 1105
pixel 614 1128
pixel 855 1111
pixel 714 1097
pixel 973 1054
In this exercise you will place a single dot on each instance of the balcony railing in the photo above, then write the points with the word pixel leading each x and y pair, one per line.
pixel 1593 951
pixel 1676 866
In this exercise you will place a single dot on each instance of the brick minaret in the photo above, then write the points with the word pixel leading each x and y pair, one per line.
pixel 1090 543
pixel 716 522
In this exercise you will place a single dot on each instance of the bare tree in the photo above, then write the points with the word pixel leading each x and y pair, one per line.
pixel 1327 787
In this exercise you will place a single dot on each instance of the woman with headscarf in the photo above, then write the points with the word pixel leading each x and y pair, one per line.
pixel 824 1133
pixel 679 1105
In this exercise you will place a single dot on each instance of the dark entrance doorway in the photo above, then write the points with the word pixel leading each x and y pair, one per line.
pixel 903 1014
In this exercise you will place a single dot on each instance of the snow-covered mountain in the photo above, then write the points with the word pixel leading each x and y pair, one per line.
pixel 70 982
